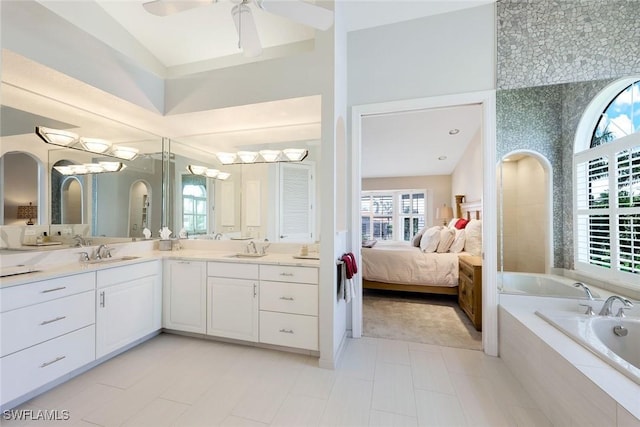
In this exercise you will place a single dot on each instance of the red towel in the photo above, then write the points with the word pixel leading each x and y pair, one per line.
pixel 351 267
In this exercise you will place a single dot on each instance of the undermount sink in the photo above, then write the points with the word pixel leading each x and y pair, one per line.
pixel 246 255
pixel 113 259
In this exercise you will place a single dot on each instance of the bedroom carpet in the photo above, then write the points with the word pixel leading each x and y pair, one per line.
pixel 427 319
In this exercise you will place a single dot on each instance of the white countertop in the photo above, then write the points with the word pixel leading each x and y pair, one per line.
pixel 45 272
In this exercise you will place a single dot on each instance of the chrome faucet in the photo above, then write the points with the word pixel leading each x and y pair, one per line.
pixel 606 308
pixel 79 240
pixel 264 248
pixel 587 291
pixel 251 247
pixel 100 249
pixel 217 236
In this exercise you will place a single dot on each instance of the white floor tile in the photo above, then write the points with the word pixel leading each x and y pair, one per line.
pixel 232 421
pixel 300 411
pixel 158 413
pixel 314 382
pixel 393 389
pixel 429 372
pixel 439 410
pixel 387 419
pixel 391 351
pixel 480 407
pixel 359 359
pixel 349 403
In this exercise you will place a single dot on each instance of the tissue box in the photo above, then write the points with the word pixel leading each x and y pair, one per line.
pixel 164 245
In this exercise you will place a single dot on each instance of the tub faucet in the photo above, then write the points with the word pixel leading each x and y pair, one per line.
pixel 606 308
pixel 587 291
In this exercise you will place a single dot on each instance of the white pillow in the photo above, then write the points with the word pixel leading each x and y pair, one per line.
pixel 452 223
pixel 473 237
pixel 430 239
pixel 458 242
pixel 415 241
pixel 446 239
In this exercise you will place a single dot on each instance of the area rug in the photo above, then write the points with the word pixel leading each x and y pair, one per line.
pixel 427 319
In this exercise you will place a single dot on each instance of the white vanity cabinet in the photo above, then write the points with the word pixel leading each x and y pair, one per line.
pixel 289 306
pixel 128 305
pixel 232 300
pixel 184 296
pixel 47 330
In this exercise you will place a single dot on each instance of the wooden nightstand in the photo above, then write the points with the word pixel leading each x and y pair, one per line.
pixel 470 288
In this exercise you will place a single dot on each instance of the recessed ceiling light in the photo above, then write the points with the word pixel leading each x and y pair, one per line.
pixel 454 131
pixel 442 158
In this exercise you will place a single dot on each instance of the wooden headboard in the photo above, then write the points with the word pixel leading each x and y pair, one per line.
pixel 468 210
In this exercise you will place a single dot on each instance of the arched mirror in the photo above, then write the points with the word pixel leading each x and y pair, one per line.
pixel 139 208
pixel 525 231
pixel 20 199
pixel 71 200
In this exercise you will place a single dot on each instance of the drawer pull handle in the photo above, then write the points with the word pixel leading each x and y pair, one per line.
pixel 57 359
pixel 287 274
pixel 255 290
pixel 53 290
pixel 287 298
pixel 286 331
pixel 102 299
pixel 46 322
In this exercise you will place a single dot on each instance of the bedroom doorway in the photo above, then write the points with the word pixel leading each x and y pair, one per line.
pixel 486 134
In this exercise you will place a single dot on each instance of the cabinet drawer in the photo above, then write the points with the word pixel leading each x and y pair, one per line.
pixel 31 325
pixel 29 369
pixel 289 330
pixel 283 273
pixel 289 298
pixel 233 270
pixel 465 293
pixel 113 276
pixel 36 292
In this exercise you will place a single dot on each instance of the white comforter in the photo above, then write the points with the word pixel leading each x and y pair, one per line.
pixel 405 264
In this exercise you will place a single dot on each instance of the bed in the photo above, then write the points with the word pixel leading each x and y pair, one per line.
pixel 400 266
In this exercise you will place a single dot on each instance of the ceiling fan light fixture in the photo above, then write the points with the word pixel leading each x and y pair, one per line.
pixel 248 39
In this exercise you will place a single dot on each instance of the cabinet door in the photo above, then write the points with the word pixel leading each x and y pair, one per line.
pixel 233 308
pixel 126 312
pixel 185 296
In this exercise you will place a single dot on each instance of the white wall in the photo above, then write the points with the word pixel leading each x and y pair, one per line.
pixel 437 55
pixel 467 177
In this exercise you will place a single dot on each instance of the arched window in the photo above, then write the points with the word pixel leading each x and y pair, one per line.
pixel 607 188
pixel 194 204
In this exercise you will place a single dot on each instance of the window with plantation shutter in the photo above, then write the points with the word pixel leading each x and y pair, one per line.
pixel 607 193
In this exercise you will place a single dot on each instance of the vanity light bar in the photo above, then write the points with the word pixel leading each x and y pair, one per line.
pixel 263 156
pixel 67 139
pixel 208 172
pixel 90 168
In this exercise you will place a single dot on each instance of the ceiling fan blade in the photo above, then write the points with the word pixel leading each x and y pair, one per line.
pixel 249 41
pixel 169 7
pixel 300 12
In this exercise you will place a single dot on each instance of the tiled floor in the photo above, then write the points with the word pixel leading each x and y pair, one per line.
pixel 178 381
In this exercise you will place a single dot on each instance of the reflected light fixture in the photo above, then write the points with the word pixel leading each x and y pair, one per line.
pixel 295 154
pixel 90 168
pixel 270 156
pixel 208 172
pixel 263 156
pixel 126 153
pixel 27 212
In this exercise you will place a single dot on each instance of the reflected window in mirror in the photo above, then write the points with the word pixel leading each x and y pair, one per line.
pixel 607 187
pixel 194 204
pixel 19 173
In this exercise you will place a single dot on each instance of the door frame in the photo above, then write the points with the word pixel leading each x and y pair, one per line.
pixel 489 237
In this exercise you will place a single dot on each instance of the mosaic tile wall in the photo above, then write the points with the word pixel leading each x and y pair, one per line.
pixel 545 42
pixel 544 119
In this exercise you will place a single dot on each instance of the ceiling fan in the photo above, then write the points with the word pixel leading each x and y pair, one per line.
pixel 296 10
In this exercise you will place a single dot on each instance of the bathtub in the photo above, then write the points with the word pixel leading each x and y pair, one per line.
pixel 546 285
pixel 598 334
